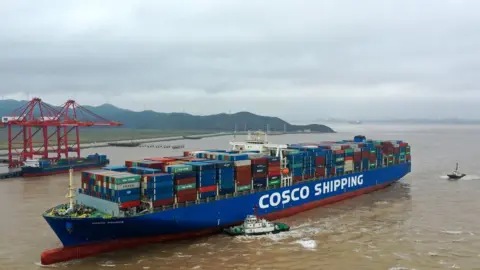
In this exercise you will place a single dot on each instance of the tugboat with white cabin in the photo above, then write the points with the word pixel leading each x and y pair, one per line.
pixel 255 226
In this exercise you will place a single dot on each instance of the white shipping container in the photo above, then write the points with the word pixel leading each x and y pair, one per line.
pixel 335 147
pixel 125 186
pixel 239 163
pixel 310 146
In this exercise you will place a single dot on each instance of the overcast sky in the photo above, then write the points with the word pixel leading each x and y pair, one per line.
pixel 293 59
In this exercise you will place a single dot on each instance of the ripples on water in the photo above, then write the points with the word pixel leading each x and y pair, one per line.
pixel 423 222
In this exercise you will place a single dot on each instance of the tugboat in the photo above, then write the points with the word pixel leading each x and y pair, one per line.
pixel 456 174
pixel 254 226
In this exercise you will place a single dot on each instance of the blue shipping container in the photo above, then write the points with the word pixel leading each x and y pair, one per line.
pixel 208 194
pixel 260 182
pixel 206 178
pixel 129 198
pixel 163 184
pixel 227 190
pixel 183 175
pixel 125 192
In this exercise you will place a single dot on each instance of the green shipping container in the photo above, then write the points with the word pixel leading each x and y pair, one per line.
pixel 293 166
pixel 274 182
pixel 187 186
pixel 349 150
pixel 243 188
pixel 125 179
pixel 340 159
pixel 180 168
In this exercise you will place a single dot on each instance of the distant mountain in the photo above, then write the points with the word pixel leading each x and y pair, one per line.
pixel 425 121
pixel 182 121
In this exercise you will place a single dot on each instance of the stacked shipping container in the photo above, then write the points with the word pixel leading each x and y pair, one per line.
pixel 273 171
pixel 206 174
pixel 158 188
pixel 121 187
pixel 260 171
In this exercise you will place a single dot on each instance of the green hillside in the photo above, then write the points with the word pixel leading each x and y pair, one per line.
pixel 183 121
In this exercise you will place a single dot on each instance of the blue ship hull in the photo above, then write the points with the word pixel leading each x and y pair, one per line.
pixel 214 215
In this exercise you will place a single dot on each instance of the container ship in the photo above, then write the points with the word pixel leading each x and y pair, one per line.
pixel 42 167
pixel 168 198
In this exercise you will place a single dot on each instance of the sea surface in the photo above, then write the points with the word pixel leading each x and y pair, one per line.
pixel 423 222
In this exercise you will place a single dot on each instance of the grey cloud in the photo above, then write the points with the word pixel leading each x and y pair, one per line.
pixel 219 46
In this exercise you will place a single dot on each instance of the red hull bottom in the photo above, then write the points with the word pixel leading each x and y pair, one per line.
pixel 61 171
pixel 70 253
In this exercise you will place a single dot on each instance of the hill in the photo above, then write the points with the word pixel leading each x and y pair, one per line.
pixel 183 121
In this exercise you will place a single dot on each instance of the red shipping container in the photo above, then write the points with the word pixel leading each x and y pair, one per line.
pixel 156 165
pixel 309 176
pixel 185 181
pixel 332 171
pixel 345 146
pixel 357 157
pixel 129 204
pixel 244 181
pixel 274 164
pixel 186 195
pixel 320 160
pixel 348 158
pixel 320 172
pixel 207 189
pixel 128 163
pixel 274 169
pixel 187 192
pixel 403 144
pixel 259 175
pixel 163 202
pixel 408 157
pixel 243 170
pixel 239 175
pixel 270 174
pixel 339 152
pixel 297 179
pixel 263 160
pixel 164 159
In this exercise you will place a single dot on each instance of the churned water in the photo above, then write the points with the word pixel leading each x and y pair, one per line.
pixel 423 222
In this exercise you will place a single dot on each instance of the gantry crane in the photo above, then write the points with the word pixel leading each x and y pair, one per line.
pixel 37 119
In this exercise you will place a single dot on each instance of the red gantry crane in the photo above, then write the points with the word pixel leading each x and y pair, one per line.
pixel 37 119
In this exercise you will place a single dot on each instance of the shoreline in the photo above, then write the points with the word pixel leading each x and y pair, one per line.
pixel 4 150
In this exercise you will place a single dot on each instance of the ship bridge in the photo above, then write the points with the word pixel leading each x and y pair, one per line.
pixel 257 141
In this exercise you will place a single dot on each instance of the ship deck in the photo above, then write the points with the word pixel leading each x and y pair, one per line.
pixel 82 212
